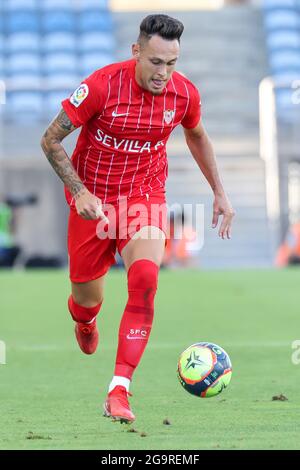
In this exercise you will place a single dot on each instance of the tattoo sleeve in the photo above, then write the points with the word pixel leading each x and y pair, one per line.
pixel 59 128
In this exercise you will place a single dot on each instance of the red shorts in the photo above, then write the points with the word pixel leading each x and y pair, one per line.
pixel 92 244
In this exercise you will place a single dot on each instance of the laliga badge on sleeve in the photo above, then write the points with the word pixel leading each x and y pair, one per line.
pixel 79 95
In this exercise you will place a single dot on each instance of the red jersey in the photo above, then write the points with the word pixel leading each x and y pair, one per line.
pixel 121 150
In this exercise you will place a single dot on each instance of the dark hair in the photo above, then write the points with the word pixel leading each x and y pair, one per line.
pixel 162 25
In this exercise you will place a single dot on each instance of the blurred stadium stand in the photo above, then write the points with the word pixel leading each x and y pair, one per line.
pixel 282 24
pixel 47 47
pixel 280 126
pixel 50 47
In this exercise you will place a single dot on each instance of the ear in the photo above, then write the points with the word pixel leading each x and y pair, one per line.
pixel 136 51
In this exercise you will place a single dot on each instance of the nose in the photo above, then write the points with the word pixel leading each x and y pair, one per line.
pixel 162 71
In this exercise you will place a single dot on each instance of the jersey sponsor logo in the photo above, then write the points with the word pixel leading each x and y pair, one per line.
pixel 79 95
pixel 169 115
pixel 115 114
pixel 127 145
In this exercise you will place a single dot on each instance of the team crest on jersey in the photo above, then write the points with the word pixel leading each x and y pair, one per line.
pixel 169 115
pixel 79 95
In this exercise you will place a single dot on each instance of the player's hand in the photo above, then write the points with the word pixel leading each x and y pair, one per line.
pixel 89 206
pixel 222 207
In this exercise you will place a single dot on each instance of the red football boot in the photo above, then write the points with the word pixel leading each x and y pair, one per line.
pixel 87 336
pixel 117 407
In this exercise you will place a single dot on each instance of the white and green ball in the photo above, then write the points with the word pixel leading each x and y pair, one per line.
pixel 204 369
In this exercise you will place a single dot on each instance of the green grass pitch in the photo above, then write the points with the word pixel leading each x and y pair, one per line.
pixel 52 394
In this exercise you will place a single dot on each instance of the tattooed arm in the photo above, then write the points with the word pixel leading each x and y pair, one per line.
pixel 59 128
pixel 88 206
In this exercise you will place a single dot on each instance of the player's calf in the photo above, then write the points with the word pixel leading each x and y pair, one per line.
pixel 138 316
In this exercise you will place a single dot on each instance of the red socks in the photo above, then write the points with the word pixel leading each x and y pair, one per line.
pixel 136 323
pixel 82 314
pixel 137 319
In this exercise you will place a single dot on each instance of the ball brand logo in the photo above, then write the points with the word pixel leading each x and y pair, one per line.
pixel 136 334
pixel 79 95
pixel 216 350
pixel 169 115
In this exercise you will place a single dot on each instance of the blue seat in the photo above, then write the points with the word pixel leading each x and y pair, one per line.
pixel 23 42
pixel 53 100
pixel 60 63
pixel 15 5
pixel 24 81
pixel 23 63
pixel 51 5
pixel 93 4
pixel 268 4
pixel 283 38
pixel 58 21
pixel 285 58
pixel 90 21
pixel 24 97
pixel 21 22
pixel 286 76
pixel 24 106
pixel 91 62
pixel 62 81
pixel 95 41
pixel 59 42
pixel 284 98
pixel 282 19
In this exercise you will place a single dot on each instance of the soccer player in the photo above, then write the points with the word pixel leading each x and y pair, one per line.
pixel 127 112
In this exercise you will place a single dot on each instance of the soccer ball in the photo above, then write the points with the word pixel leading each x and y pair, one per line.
pixel 204 369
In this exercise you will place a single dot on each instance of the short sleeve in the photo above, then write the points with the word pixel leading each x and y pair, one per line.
pixel 193 112
pixel 87 100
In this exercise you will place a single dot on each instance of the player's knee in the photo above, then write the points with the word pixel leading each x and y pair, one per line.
pixel 88 301
pixel 87 294
pixel 143 275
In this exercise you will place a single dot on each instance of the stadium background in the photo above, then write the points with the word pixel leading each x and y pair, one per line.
pixel 245 58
